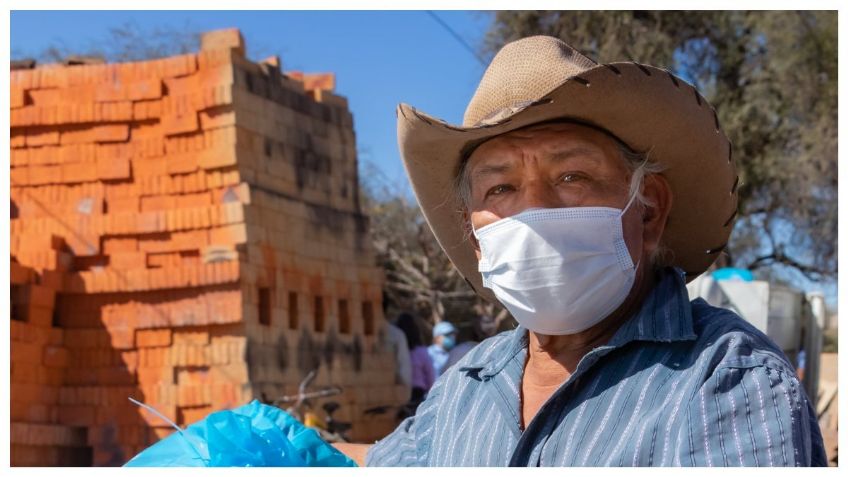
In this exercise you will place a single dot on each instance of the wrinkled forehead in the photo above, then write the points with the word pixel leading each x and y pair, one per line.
pixel 548 140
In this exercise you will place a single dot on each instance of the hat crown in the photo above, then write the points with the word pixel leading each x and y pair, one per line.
pixel 523 71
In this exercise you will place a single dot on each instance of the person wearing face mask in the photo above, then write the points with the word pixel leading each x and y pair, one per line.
pixel 583 197
pixel 444 339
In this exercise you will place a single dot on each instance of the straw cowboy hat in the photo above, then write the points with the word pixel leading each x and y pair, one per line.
pixel 539 79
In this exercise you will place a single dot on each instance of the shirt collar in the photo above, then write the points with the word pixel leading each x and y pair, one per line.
pixel 665 316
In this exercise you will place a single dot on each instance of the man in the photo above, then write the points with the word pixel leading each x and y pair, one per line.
pixel 583 197
pixel 444 339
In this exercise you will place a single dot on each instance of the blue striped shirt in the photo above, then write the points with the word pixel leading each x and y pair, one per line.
pixel 680 384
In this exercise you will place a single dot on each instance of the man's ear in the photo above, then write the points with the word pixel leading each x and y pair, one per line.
pixel 658 193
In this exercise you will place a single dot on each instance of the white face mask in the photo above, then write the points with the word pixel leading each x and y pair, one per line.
pixel 558 271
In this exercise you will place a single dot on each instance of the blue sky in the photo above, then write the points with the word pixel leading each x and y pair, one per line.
pixel 380 58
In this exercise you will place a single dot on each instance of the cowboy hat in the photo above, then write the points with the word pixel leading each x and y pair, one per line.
pixel 540 78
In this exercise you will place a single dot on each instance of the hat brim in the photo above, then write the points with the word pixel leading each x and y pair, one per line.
pixel 648 108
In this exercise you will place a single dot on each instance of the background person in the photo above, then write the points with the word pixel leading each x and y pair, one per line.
pixel 423 375
pixel 444 339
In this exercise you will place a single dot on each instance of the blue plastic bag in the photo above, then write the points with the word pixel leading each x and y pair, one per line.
pixel 253 435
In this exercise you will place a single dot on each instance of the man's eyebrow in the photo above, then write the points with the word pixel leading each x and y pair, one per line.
pixel 491 169
pixel 495 167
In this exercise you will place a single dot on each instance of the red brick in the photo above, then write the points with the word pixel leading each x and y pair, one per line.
pixel 41 137
pixel 17 329
pixel 25 353
pixel 127 260
pixel 123 338
pixel 76 135
pixel 117 111
pixel 79 172
pixel 40 316
pixel 45 97
pixel 190 240
pixel 20 274
pixel 17 98
pixel 55 357
pixel 112 133
pixel 325 81
pixel 201 199
pixel 113 245
pixel 155 375
pixel 123 204
pixel 195 337
pixel 115 375
pixel 229 38
pixel 217 117
pixel 182 163
pixel 160 202
pixel 151 167
pixel 153 338
pixel 228 235
pixel 18 138
pixel 112 91
pixel 143 110
pixel 116 168
pixel 145 89
pixel 146 129
pixel 42 241
pixel 77 415
pixel 56 336
pixel 180 123
pixel 26 373
pixel 19 157
pixel 54 278
pixel 217 158
pixel 19 176
pixel 45 175
pixel 42 296
pixel 164 260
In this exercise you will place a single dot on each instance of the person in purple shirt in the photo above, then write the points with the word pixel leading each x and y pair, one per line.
pixel 423 375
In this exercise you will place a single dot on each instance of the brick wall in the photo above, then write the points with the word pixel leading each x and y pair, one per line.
pixel 192 237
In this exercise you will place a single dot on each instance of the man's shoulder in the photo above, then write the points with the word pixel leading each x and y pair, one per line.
pixel 484 351
pixel 733 342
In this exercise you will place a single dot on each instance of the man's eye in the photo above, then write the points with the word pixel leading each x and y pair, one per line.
pixel 570 177
pixel 498 189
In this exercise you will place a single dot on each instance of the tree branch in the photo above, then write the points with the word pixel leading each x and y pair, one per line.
pixel 811 272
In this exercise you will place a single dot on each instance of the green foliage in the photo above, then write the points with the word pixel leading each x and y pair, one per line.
pixel 772 76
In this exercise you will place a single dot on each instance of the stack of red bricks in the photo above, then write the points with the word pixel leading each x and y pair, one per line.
pixel 195 223
pixel 41 433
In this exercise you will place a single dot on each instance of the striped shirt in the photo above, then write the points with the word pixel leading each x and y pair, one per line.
pixel 680 384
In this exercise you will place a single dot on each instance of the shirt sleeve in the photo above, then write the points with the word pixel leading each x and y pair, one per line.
pixel 751 416
pixel 410 443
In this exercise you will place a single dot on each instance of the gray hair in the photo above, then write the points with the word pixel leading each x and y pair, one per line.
pixel 638 164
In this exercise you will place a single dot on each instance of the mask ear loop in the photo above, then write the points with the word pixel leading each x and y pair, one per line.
pixel 629 203
pixel 623 211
